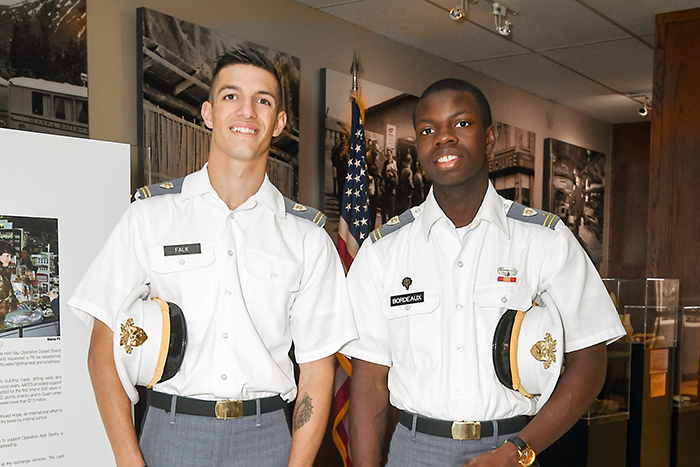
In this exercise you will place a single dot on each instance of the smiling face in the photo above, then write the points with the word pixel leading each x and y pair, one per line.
pixel 451 140
pixel 5 259
pixel 243 114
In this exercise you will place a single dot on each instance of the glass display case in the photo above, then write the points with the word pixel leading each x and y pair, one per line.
pixel 685 449
pixel 685 394
pixel 649 312
pixel 648 309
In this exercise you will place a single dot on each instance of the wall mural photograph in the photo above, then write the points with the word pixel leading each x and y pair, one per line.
pixel 176 64
pixel 43 66
pixel 512 162
pixel 574 189
pixel 29 292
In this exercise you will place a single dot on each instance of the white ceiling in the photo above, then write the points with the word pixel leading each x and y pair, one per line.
pixel 588 55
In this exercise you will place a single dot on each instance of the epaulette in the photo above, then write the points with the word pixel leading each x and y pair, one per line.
pixel 392 225
pixel 305 212
pixel 164 188
pixel 533 216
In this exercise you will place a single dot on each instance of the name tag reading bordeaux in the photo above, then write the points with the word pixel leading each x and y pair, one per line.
pixel 417 297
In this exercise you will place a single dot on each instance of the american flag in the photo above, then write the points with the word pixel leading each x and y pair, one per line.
pixel 354 209
pixel 352 231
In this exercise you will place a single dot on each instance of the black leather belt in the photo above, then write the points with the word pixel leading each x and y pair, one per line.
pixel 220 409
pixel 463 429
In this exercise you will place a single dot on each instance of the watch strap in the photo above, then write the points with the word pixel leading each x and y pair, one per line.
pixel 527 454
pixel 519 443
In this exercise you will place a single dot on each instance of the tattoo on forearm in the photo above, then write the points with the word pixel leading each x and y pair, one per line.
pixel 302 412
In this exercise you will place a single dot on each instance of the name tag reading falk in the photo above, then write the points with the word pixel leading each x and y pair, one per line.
pixel 176 250
pixel 406 299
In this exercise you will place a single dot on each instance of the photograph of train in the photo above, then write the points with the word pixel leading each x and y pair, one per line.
pixel 43 66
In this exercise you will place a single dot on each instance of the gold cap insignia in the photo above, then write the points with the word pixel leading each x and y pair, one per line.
pixel 167 185
pixel 529 212
pixel 299 207
pixel 543 351
pixel 393 221
pixel 132 336
pixel 406 282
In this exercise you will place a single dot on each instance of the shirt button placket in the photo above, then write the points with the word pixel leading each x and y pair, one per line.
pixel 228 277
pixel 460 297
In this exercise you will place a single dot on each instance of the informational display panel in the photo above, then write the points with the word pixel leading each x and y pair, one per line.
pixel 60 197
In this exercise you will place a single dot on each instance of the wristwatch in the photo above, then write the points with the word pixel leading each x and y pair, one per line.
pixel 527 454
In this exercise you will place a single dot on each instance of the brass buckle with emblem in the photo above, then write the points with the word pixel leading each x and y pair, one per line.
pixel 466 430
pixel 229 409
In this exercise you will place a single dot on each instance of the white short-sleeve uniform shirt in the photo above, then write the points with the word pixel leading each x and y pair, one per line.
pixel 439 350
pixel 262 279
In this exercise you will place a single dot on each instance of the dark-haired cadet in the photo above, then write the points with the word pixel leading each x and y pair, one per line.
pixel 428 291
pixel 252 271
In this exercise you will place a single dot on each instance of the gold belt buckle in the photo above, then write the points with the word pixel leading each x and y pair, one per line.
pixel 229 409
pixel 466 430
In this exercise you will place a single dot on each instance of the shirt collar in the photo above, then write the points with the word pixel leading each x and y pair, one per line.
pixel 268 195
pixel 492 210
pixel 197 183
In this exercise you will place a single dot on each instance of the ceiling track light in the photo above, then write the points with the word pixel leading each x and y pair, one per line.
pixel 644 111
pixel 500 10
pixel 499 15
pixel 460 11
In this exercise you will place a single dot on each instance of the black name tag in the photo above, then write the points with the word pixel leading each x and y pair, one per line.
pixel 189 249
pixel 407 299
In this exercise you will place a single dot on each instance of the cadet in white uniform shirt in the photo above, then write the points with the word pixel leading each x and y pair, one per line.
pixel 252 272
pixel 427 292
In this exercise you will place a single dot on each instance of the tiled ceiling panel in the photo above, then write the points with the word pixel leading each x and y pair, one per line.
pixel 544 24
pixel 584 49
pixel 625 65
pixel 544 78
pixel 435 33
pixel 614 108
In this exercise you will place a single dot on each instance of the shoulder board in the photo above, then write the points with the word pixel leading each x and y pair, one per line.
pixel 164 188
pixel 305 212
pixel 392 225
pixel 533 216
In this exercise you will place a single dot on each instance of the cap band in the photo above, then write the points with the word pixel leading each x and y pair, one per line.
pixel 164 342
pixel 514 335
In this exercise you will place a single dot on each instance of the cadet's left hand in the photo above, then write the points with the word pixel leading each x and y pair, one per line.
pixel 505 455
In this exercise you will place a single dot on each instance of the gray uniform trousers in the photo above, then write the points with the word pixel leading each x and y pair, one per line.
pixel 412 449
pixel 180 440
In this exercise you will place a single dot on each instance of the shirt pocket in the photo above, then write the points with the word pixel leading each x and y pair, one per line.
pixel 171 264
pixel 272 284
pixel 185 275
pixel 415 331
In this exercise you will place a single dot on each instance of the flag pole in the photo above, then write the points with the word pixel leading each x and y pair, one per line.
pixel 353 229
pixel 354 69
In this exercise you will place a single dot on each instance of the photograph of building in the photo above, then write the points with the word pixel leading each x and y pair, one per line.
pixel 43 66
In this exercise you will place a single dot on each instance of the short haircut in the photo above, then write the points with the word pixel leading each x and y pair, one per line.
pixel 247 56
pixel 453 84
pixel 7 248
